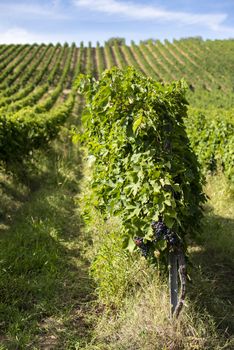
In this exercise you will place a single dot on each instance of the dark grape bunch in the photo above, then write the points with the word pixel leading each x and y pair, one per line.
pixel 143 246
pixel 161 231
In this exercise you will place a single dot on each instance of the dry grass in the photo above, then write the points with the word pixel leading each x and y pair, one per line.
pixel 139 319
pixel 143 323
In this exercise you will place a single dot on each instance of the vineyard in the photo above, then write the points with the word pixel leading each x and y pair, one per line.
pixel 204 64
pixel 50 213
pixel 38 79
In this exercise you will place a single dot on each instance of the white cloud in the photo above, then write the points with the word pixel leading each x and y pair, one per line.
pixel 56 3
pixel 19 35
pixel 16 35
pixel 224 32
pixel 147 12
pixel 33 10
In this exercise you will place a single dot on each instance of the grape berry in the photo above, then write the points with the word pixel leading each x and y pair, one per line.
pixel 144 247
pixel 161 232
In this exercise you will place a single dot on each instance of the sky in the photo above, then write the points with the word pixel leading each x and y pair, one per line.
pixel 39 21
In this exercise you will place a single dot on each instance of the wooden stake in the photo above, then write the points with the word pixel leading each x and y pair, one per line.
pixel 173 281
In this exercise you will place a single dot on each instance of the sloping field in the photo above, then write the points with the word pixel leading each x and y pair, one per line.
pixel 37 92
pixel 51 231
pixel 23 68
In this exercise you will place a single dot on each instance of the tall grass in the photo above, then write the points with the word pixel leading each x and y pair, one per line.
pixel 46 294
pixel 133 298
pixel 218 230
pixel 45 288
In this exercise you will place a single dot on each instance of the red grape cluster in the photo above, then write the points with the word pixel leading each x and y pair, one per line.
pixel 161 231
pixel 144 247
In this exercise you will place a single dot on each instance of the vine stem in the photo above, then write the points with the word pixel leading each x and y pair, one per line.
pixel 173 281
pixel 182 274
pixel 177 265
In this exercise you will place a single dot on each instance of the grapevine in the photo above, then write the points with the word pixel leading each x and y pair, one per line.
pixel 144 170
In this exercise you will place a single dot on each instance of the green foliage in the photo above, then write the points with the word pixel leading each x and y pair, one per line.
pixel 212 139
pixel 112 268
pixel 43 271
pixel 115 40
pixel 27 120
pixel 215 100
pixel 144 167
pixel 26 130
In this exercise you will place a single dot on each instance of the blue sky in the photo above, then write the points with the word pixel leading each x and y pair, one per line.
pixel 25 21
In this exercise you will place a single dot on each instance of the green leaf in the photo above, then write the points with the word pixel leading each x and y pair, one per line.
pixel 161 245
pixel 131 245
pixel 137 123
pixel 144 168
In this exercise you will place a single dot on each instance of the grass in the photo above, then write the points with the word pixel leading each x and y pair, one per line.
pixel 213 255
pixel 134 298
pixel 143 323
pixel 45 288
pixel 219 220
pixel 48 238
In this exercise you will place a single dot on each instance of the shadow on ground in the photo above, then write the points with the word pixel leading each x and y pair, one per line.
pixel 45 288
pixel 213 272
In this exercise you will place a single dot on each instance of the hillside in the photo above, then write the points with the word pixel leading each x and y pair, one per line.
pixel 205 65
pixel 65 280
pixel 39 79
